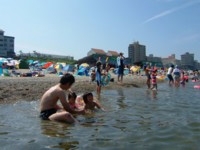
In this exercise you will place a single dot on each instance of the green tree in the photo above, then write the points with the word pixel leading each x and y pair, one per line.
pixel 23 64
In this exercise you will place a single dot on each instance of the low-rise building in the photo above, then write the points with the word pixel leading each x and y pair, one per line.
pixel 112 53
pixel 109 57
pixel 96 51
pixel 154 61
pixel 167 62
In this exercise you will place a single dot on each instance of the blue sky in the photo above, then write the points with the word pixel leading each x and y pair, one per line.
pixel 73 27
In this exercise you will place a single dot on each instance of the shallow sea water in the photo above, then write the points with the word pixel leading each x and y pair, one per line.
pixel 136 118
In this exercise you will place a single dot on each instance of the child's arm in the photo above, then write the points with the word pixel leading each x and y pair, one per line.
pixel 99 106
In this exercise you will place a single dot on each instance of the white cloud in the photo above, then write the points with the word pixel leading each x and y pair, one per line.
pixel 170 11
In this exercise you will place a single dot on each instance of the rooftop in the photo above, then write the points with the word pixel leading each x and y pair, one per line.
pixel 114 53
pixel 98 51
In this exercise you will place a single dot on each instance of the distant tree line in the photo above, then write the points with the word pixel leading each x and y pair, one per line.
pixel 47 59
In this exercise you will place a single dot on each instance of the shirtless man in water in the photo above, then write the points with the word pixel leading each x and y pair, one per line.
pixel 50 110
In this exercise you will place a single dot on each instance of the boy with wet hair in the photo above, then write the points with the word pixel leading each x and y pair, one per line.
pixel 49 109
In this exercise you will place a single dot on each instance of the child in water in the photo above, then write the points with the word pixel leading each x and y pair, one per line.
pixel 90 104
pixel 153 79
pixel 72 100
pixel 182 78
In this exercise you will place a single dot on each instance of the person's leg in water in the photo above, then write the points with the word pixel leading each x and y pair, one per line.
pixel 63 117
pixel 148 81
pixel 98 88
pixel 120 74
pixel 171 80
pixel 121 78
pixel 118 77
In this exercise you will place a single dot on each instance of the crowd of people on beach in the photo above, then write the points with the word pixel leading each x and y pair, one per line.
pixel 174 74
pixel 87 102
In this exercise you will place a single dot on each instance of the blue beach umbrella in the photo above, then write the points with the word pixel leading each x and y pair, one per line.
pixel 68 68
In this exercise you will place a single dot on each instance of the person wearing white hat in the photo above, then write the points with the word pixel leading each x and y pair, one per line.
pixel 177 74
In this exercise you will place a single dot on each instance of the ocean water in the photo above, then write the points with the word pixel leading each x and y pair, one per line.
pixel 136 118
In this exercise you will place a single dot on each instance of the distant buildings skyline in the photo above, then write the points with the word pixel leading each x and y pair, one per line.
pixel 136 53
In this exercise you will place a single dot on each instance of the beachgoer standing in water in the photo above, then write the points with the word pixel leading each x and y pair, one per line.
pixel 120 63
pixel 50 110
pixel 182 78
pixel 147 70
pixel 169 75
pixel 153 79
pixel 177 74
pixel 98 77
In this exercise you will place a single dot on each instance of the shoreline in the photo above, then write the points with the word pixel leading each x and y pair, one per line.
pixel 13 89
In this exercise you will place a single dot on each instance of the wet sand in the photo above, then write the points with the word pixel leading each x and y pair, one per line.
pixel 14 89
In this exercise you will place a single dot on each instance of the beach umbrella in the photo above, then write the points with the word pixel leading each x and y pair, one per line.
pixel 11 63
pixel 135 68
pixel 46 65
pixel 3 59
pixel 84 65
pixel 81 71
pixel 16 62
pixel 62 63
pixel 68 68
pixel 59 66
pixel 30 61
pixel 36 62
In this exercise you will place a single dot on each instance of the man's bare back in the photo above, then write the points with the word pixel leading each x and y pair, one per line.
pixel 50 98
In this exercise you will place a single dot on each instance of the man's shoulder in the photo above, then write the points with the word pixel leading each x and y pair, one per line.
pixel 58 89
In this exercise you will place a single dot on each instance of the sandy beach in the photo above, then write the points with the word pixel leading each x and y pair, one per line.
pixel 14 89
